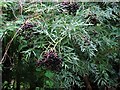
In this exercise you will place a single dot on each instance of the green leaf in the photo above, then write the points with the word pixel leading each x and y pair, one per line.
pixel 49 74
pixel 49 83
pixel 38 69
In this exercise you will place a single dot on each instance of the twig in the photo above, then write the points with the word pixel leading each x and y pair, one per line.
pixel 8 45
pixel 87 82
pixel 21 7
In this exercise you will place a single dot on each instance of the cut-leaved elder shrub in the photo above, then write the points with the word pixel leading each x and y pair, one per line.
pixel 64 45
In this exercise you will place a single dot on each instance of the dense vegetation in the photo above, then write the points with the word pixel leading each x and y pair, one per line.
pixel 60 45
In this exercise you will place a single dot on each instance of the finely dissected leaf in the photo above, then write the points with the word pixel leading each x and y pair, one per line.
pixel 87 42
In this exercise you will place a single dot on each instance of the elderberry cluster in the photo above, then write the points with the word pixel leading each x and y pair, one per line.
pixel 70 7
pixel 92 18
pixel 51 61
pixel 27 26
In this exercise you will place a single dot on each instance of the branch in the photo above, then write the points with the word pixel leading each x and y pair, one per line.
pixel 85 77
pixel 8 45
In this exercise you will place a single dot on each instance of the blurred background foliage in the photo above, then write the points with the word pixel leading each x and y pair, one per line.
pixel 86 36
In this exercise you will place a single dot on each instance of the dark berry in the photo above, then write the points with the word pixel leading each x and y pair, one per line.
pixel 27 26
pixel 51 61
pixel 70 7
pixel 92 19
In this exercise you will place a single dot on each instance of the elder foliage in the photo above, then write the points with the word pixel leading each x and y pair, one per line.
pixel 81 48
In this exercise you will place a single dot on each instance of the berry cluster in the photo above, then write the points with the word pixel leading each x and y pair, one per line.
pixel 86 40
pixel 51 61
pixel 27 30
pixel 27 26
pixel 92 19
pixel 70 7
